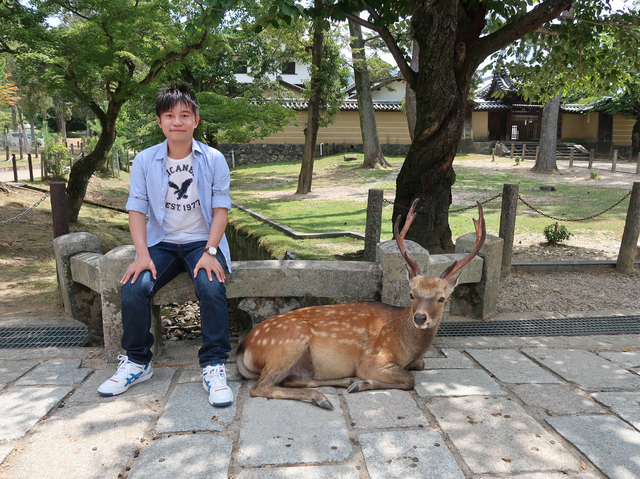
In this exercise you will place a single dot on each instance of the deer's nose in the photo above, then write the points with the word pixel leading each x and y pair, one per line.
pixel 420 319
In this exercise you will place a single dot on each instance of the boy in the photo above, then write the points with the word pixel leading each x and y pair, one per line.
pixel 183 187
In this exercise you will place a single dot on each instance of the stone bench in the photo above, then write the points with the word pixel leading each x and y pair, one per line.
pixel 90 287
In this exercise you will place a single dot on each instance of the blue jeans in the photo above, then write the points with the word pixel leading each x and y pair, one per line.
pixel 170 260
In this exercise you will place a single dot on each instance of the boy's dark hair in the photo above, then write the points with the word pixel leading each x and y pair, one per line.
pixel 173 94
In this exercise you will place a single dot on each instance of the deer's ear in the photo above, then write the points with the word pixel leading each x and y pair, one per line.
pixel 453 281
pixel 410 272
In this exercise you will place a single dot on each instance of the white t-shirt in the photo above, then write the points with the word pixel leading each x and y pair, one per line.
pixel 183 219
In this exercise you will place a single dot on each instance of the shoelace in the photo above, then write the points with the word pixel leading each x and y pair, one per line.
pixel 123 371
pixel 216 374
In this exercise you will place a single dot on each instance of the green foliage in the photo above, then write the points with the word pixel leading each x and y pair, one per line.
pixel 58 159
pixel 517 159
pixel 593 174
pixel 556 233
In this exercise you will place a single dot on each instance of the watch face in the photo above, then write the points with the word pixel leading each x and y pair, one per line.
pixel 212 251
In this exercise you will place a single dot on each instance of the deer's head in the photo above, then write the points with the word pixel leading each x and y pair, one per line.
pixel 428 296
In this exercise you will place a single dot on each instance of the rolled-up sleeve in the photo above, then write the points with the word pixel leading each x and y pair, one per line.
pixel 138 198
pixel 221 183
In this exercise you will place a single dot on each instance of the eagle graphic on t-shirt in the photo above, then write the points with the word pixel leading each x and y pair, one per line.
pixel 181 192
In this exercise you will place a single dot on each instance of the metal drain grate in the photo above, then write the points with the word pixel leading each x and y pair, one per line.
pixel 44 337
pixel 545 327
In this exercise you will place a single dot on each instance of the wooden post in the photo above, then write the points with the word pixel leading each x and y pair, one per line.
pixel 592 155
pixel 9 155
pixel 571 157
pixel 524 151
pixel 30 167
pixel 614 161
pixel 537 151
pixel 629 244
pixel 638 166
pixel 513 150
pixel 15 168
pixel 508 225
pixel 374 224
pixel 611 152
pixel 59 208
pixel 35 146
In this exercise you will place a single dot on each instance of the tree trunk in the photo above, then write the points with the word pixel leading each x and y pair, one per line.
pixel 410 94
pixel 85 167
pixel 26 143
pixel 373 157
pixel 442 86
pixel 14 117
pixel 313 111
pixel 546 161
pixel 635 137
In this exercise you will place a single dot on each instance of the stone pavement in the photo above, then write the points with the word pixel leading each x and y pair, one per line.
pixel 486 407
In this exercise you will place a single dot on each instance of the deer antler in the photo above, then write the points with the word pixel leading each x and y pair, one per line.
pixel 481 234
pixel 400 237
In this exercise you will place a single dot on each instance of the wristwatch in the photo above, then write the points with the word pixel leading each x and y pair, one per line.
pixel 211 250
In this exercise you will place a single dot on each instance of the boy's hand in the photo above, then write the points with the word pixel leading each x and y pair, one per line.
pixel 211 265
pixel 142 263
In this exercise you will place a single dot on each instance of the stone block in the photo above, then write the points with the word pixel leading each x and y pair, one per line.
pixel 12 370
pixel 193 374
pixel 23 407
pixel 408 454
pixel 395 282
pixel 496 436
pixel 586 370
pixel 6 450
pixel 202 456
pixel 624 405
pixel 85 269
pixel 291 432
pixel 510 366
pixel 455 382
pixel 259 309
pixel 80 301
pixel 629 359
pixel 384 409
pixel 58 372
pixel 87 441
pixel 608 442
pixel 189 410
pixel 453 360
pixel 479 300
pixel 556 399
pixel 470 273
pixel 306 472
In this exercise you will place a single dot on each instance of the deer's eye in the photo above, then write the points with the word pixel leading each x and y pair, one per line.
pixel 441 300
pixel 411 295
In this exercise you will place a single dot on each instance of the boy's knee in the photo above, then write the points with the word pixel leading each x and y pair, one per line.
pixel 141 288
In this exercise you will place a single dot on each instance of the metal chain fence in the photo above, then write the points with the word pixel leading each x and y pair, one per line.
pixel 20 215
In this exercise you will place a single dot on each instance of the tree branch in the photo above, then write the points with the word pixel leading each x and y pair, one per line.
pixel 171 57
pixel 515 29
pixel 407 72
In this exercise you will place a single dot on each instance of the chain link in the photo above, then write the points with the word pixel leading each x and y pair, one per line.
pixel 577 219
pixel 384 200
pixel 18 216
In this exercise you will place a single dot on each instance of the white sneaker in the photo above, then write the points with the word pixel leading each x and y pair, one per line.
pixel 214 381
pixel 128 374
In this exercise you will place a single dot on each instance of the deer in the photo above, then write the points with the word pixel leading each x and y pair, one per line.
pixel 360 345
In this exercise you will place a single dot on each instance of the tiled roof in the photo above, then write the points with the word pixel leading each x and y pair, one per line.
pixel 349 105
pixel 483 105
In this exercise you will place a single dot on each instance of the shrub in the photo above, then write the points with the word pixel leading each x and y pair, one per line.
pixel 58 160
pixel 593 174
pixel 556 233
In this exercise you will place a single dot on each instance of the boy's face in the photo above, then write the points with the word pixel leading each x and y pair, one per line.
pixel 178 123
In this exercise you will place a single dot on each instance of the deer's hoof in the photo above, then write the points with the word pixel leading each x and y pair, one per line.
pixel 325 403
pixel 357 386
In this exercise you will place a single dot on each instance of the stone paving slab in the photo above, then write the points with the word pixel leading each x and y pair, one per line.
pixel 14 354
pixel 202 456
pixel 193 374
pixel 608 442
pixel 384 409
pixel 24 407
pixel 59 372
pixel 453 360
pixel 603 342
pixel 418 454
pixel 87 441
pixel 497 436
pixel 302 472
pixel 189 410
pixel 455 382
pixel 12 370
pixel 150 390
pixel 556 399
pixel 585 369
pixel 291 432
pixel 547 475
pixel 5 451
pixel 625 405
pixel 510 366
pixel 629 359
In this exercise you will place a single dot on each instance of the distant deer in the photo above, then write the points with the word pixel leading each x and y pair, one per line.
pixel 360 346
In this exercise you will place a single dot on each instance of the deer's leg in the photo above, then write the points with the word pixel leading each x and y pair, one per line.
pixel 266 388
pixel 298 382
pixel 417 365
pixel 390 376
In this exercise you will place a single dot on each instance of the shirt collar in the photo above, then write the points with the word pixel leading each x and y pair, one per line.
pixel 161 152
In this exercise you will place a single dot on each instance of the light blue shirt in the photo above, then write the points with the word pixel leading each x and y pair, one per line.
pixel 147 190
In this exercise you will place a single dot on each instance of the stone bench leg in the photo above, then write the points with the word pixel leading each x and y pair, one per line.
pixel 81 302
pixel 112 268
pixel 479 300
